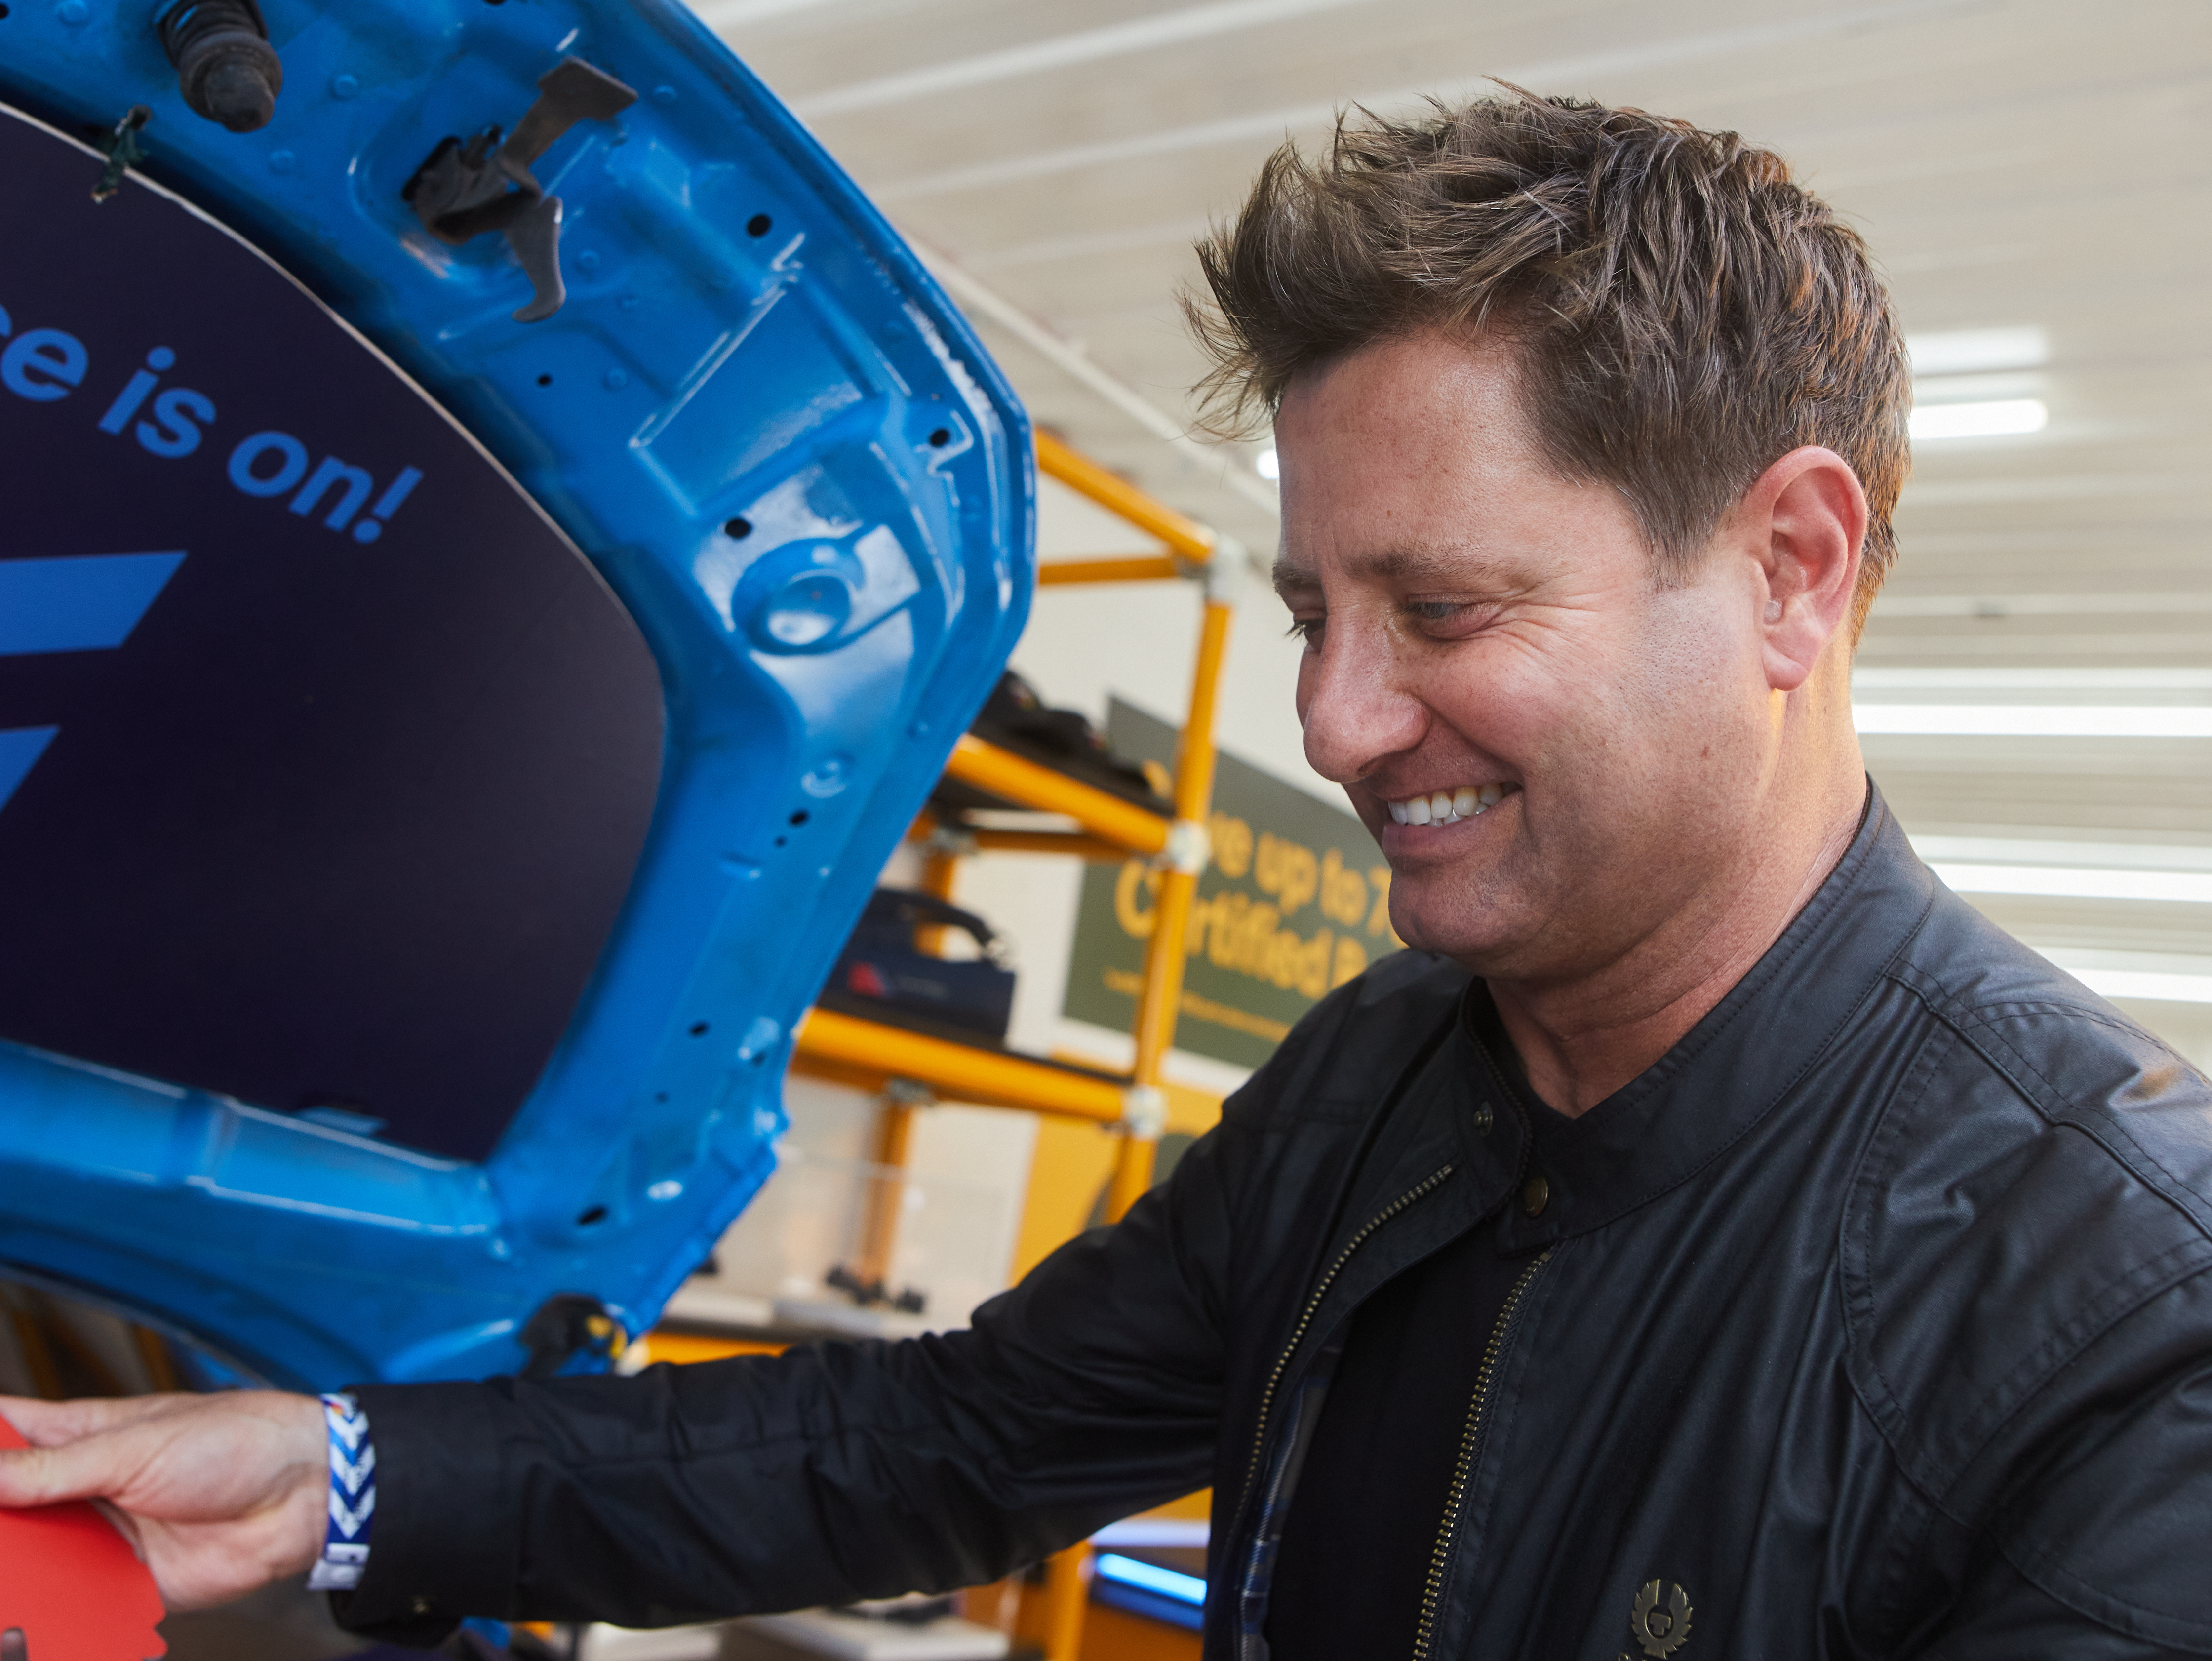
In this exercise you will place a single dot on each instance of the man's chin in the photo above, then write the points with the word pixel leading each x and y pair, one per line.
pixel 1432 913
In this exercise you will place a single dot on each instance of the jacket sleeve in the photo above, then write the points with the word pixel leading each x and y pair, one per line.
pixel 833 1472
pixel 2005 1616
pixel 2098 1547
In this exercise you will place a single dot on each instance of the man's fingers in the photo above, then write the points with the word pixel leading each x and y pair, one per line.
pixel 75 1470
pixel 48 1424
pixel 218 1493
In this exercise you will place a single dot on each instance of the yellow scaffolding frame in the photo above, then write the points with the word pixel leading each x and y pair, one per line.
pixel 853 1050
pixel 1133 828
pixel 1186 539
pixel 890 1060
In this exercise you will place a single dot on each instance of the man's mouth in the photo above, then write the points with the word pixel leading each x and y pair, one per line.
pixel 1449 806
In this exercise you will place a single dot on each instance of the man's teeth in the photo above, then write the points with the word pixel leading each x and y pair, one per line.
pixel 1447 807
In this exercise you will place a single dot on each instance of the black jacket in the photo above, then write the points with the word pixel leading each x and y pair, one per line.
pixel 1874 1320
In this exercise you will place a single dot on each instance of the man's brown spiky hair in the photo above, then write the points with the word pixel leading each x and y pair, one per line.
pixel 1684 312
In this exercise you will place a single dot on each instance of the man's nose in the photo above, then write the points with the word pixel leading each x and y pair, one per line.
pixel 1356 711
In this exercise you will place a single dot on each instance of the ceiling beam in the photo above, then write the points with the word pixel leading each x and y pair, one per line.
pixel 1167 28
pixel 1564 73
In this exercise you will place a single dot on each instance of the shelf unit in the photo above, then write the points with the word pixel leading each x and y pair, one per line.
pixel 908 1069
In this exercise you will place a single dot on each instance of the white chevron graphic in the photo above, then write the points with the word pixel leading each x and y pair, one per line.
pixel 350 1520
pixel 352 1473
pixel 347 1423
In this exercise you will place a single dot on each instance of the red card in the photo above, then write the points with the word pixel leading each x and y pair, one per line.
pixel 70 1582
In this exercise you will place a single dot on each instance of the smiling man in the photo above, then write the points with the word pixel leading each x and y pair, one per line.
pixel 1712 1239
pixel 1602 785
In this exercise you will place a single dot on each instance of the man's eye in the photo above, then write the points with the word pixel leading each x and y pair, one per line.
pixel 1449 619
pixel 1307 630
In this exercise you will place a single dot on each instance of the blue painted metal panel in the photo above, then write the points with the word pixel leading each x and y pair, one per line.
pixel 801 476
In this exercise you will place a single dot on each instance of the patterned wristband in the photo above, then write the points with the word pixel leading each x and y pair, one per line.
pixel 353 1497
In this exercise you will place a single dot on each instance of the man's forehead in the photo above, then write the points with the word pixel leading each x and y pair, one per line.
pixel 1409 466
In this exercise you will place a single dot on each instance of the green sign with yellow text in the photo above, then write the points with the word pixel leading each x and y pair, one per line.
pixel 1295 901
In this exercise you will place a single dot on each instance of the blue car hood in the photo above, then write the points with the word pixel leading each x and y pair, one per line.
pixel 441 753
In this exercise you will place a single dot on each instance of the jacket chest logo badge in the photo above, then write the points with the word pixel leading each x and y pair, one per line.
pixel 1660 1631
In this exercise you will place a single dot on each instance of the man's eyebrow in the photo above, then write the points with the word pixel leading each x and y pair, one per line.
pixel 1414 567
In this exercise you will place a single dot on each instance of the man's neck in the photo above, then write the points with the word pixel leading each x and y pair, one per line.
pixel 1582 1040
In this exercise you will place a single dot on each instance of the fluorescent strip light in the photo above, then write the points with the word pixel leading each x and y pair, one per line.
pixel 2001 417
pixel 1978 389
pixel 1266 464
pixel 2157 985
pixel 1989 606
pixel 2076 882
pixel 735 14
pixel 1149 1577
pixel 1965 351
pixel 2072 854
pixel 2045 680
pixel 2042 721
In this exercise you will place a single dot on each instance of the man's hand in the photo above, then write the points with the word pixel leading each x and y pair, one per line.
pixel 221 1493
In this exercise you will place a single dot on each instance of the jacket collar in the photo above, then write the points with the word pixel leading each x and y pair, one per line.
pixel 1672 1121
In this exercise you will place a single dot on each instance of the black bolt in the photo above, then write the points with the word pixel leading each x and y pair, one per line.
pixel 226 68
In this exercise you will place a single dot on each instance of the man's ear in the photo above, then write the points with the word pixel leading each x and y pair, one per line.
pixel 1804 524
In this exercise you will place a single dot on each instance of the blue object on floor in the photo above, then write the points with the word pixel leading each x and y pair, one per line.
pixel 1151 1590
pixel 1151 1577
pixel 441 754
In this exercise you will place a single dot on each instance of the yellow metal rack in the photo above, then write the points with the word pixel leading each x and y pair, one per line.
pixel 875 1054
pixel 907 1067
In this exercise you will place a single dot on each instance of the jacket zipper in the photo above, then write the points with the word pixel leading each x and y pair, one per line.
pixel 1313 1304
pixel 1470 1446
